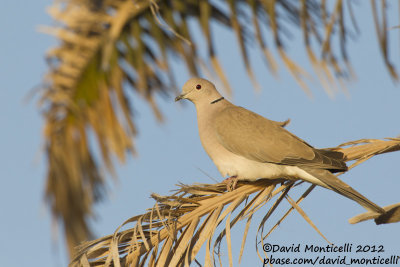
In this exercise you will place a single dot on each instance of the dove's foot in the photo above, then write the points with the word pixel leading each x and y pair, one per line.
pixel 230 183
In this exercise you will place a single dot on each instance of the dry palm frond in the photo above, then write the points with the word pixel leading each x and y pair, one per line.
pixel 108 47
pixel 174 230
pixel 381 31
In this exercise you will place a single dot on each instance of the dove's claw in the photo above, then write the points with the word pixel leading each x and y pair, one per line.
pixel 230 183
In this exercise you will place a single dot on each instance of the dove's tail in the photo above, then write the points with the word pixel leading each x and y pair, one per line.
pixel 330 181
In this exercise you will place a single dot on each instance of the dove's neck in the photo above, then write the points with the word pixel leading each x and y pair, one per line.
pixel 217 100
pixel 210 108
pixel 206 112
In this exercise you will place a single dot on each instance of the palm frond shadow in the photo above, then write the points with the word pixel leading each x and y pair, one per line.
pixel 172 232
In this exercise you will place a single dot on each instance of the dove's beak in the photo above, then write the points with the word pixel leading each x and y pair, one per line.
pixel 179 97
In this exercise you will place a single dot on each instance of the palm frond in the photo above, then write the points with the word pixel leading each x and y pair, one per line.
pixel 173 231
pixel 110 47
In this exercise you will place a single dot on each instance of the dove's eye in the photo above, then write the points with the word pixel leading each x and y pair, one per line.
pixel 198 87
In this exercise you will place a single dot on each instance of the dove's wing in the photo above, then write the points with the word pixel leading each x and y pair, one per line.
pixel 254 137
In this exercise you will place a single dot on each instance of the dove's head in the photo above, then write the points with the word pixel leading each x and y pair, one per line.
pixel 199 90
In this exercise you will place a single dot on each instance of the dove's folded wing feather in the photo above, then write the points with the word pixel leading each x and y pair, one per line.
pixel 254 137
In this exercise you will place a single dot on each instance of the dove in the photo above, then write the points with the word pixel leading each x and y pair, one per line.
pixel 246 146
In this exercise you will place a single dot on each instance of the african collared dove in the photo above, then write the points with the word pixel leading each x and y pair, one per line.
pixel 247 146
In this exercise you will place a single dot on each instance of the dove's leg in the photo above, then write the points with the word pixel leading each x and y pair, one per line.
pixel 231 183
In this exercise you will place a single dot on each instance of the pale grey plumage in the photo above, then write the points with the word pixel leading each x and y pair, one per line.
pixel 244 144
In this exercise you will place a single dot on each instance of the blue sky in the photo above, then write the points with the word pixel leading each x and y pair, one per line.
pixel 171 152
